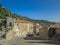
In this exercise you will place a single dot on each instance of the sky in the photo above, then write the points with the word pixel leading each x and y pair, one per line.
pixel 35 9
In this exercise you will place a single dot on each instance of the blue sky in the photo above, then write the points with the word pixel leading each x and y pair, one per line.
pixel 35 9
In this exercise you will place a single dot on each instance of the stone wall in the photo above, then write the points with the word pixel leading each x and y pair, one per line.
pixel 10 21
pixel 43 33
pixel 10 35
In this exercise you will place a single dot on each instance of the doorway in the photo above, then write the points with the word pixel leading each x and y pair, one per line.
pixel 51 32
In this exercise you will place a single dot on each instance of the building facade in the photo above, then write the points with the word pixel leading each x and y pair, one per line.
pixel 22 27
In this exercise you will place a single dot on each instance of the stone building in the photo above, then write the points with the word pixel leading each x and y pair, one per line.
pixel 52 32
pixel 9 21
pixel 55 30
pixel 22 27
pixel 7 26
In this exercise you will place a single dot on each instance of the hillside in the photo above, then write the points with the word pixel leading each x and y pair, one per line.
pixel 5 11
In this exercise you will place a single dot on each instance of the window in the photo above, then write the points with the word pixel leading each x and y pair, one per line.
pixel 10 23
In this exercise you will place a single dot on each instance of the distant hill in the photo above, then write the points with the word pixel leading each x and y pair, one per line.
pixel 5 11
pixel 44 23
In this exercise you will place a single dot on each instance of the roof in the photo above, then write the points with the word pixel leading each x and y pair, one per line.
pixel 56 25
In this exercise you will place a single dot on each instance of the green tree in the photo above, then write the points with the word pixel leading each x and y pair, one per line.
pixel 0 8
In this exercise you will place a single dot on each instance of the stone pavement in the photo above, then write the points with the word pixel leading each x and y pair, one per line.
pixel 20 41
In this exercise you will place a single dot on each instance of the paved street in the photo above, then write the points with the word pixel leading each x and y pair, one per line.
pixel 18 41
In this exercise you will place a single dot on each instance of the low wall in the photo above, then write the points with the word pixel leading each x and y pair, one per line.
pixel 43 33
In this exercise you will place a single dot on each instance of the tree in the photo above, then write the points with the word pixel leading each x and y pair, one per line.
pixel 2 16
pixel 0 8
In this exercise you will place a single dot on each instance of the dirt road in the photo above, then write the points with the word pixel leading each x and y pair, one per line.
pixel 19 41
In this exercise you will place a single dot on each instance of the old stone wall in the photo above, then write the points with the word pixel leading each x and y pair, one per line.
pixel 10 35
pixel 43 33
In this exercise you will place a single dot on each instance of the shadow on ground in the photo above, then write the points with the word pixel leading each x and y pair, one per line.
pixel 46 42
pixel 31 38
pixel 37 40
